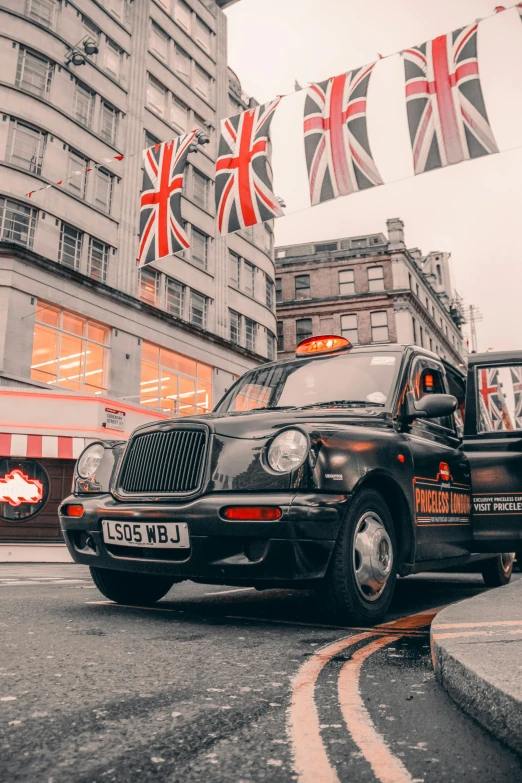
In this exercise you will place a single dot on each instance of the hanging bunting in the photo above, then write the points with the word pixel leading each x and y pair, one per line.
pixel 338 154
pixel 446 113
pixel 244 194
pixel 161 226
pixel 516 378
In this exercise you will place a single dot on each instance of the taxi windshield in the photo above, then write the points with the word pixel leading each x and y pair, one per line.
pixel 347 379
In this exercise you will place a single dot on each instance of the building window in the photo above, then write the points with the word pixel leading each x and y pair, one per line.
pixel 174 297
pixel 103 185
pixel 41 11
pixel 76 174
pixel 33 73
pixel 17 222
pixel 198 309
pixel 269 287
pixel 83 104
pixel 250 334
pixel 108 122
pixel 270 345
pixel 118 8
pixel 234 320
pixel 98 260
pixel 183 15
pixel 379 324
pixel 375 278
pixel 346 282
pixel 349 328
pixel 149 286
pixel 179 113
pixel 302 287
pixel 303 329
pixel 234 269
pixel 113 55
pixel 414 324
pixel 199 247
pixel 69 350
pixel 25 146
pixel 70 250
pixel 280 336
pixel 159 41
pixel 421 330
pixel 181 63
pixel 174 383
pixel 151 140
pixel 202 82
pixel 156 96
pixel 203 35
pixel 200 186
pixel 92 32
pixel 279 289
pixel 249 278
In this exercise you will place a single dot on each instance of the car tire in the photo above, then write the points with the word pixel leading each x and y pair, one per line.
pixel 497 571
pixel 359 584
pixel 130 588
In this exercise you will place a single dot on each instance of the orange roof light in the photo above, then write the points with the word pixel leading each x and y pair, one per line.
pixel 324 344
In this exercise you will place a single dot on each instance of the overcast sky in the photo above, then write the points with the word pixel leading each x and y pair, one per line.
pixel 472 209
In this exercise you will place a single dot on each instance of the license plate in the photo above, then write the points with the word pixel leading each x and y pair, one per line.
pixel 164 535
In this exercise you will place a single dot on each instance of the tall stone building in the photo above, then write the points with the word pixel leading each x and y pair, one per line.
pixel 371 289
pixel 88 346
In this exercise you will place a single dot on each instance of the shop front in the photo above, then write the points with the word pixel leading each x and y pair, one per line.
pixel 41 436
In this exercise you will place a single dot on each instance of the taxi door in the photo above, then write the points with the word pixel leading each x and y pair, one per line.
pixel 493 444
pixel 441 484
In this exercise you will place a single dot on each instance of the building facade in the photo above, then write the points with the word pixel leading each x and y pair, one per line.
pixel 83 82
pixel 371 289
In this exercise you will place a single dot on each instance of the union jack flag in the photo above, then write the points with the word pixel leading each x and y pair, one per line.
pixel 446 113
pixel 516 378
pixel 161 227
pixel 494 414
pixel 244 191
pixel 338 154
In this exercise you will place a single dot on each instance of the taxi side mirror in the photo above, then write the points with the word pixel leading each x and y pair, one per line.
pixel 431 406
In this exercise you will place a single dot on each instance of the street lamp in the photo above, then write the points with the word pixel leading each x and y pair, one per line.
pixel 78 57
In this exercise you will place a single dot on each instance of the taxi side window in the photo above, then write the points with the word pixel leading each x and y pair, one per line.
pixel 428 378
pixel 499 398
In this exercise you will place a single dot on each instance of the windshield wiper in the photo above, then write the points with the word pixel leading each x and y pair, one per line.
pixel 342 403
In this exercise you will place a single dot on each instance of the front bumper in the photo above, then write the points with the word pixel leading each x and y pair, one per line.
pixel 294 549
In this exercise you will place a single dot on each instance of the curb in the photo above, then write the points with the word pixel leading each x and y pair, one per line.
pixel 465 639
pixel 34 553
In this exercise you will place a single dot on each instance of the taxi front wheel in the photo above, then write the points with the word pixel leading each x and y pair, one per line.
pixel 358 587
pixel 129 588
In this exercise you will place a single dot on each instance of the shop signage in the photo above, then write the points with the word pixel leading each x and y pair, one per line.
pixel 115 419
pixel 17 488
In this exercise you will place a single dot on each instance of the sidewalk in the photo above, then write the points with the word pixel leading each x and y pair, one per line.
pixel 34 553
pixel 477 654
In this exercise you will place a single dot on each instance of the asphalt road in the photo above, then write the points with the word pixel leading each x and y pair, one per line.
pixel 226 685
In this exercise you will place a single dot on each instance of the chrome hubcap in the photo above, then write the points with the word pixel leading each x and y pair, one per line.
pixel 372 555
pixel 507 559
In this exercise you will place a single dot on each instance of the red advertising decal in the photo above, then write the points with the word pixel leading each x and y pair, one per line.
pixel 17 488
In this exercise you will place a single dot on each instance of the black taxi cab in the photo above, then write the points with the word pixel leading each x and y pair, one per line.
pixel 338 469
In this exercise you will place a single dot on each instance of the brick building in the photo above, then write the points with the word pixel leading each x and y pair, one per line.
pixel 371 289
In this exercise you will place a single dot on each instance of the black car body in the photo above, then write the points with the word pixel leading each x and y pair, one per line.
pixel 435 477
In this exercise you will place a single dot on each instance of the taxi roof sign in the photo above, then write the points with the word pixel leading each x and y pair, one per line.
pixel 326 343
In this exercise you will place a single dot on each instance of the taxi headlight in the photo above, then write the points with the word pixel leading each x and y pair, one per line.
pixel 288 451
pixel 89 461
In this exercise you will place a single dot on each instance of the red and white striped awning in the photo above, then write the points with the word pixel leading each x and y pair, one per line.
pixel 50 446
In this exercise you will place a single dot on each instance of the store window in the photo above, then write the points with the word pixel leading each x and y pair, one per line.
pixel 24 488
pixel 303 329
pixel 379 324
pixel 17 222
pixel 108 122
pixel 302 287
pixel 70 250
pixel 83 104
pixel 42 11
pixel 69 351
pixel 173 383
pixel 349 328
pixel 25 146
pixel 346 282
pixel 375 278
pixel 98 259
pixel 33 73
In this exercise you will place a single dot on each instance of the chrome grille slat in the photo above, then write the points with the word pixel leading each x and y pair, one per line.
pixel 168 462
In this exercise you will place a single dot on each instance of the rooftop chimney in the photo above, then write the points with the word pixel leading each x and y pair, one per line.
pixel 395 233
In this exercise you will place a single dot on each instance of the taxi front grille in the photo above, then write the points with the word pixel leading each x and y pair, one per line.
pixel 168 462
